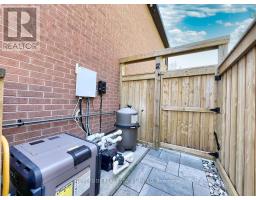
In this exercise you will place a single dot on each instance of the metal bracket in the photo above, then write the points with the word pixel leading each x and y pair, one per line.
pixel 160 73
pixel 215 154
pixel 157 65
pixel 20 122
pixel 217 141
pixel 217 77
pixel 216 110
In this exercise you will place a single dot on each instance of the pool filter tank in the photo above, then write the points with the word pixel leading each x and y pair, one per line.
pixel 127 120
pixel 61 165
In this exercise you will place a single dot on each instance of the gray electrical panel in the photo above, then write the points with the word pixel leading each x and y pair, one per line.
pixel 59 165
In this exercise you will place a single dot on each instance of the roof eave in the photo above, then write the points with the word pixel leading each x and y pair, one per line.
pixel 154 11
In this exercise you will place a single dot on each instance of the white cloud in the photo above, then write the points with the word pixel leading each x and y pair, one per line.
pixel 173 14
pixel 227 24
pixel 238 32
pixel 179 37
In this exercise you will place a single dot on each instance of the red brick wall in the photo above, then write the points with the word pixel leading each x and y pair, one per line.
pixel 42 84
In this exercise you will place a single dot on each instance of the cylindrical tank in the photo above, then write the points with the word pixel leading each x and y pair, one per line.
pixel 127 120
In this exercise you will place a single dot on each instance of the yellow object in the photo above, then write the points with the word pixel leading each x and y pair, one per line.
pixel 66 191
pixel 6 166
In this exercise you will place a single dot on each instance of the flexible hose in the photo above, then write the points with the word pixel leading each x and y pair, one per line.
pixel 6 166
pixel 89 128
pixel 100 111
pixel 81 113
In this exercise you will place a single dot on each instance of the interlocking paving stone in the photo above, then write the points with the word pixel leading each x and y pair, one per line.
pixel 138 177
pixel 154 152
pixel 170 156
pixel 169 183
pixel 201 191
pixel 163 174
pixel 148 190
pixel 125 191
pixel 173 168
pixel 191 161
pixel 154 162
pixel 194 175
pixel 110 182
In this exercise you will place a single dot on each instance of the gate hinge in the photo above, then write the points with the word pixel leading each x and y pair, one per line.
pixel 215 154
pixel 216 110
pixel 217 77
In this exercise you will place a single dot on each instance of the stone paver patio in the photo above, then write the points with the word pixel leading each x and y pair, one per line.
pixel 165 172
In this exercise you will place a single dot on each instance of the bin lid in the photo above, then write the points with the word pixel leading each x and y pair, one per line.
pixel 127 110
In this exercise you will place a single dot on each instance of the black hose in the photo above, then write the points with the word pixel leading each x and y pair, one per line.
pixel 100 111
pixel 81 113
pixel 87 124
pixel 89 127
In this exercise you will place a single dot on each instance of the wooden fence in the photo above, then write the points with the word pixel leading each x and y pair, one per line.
pixel 174 106
pixel 140 94
pixel 237 100
pixel 186 99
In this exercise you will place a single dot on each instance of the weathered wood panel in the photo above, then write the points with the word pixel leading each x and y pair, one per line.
pixel 238 150
pixel 140 94
pixel 187 120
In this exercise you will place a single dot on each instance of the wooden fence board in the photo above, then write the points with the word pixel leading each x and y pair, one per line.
pixel 240 127
pixel 250 124
pixel 223 118
pixel 140 94
pixel 233 125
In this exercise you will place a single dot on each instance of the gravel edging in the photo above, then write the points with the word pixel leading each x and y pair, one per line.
pixel 216 185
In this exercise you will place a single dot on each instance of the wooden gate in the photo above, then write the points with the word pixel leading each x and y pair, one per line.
pixel 186 118
pixel 174 106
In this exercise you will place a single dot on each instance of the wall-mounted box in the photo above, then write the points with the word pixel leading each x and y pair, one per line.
pixel 85 82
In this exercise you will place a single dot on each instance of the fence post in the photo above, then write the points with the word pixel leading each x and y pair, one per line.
pixel 122 73
pixel 222 52
pixel 160 68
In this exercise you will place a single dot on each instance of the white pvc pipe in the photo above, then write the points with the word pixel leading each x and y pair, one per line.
pixel 113 141
pixel 117 133
pixel 95 136
pixel 108 138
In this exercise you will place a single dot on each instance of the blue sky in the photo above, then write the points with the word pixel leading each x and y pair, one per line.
pixel 186 23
